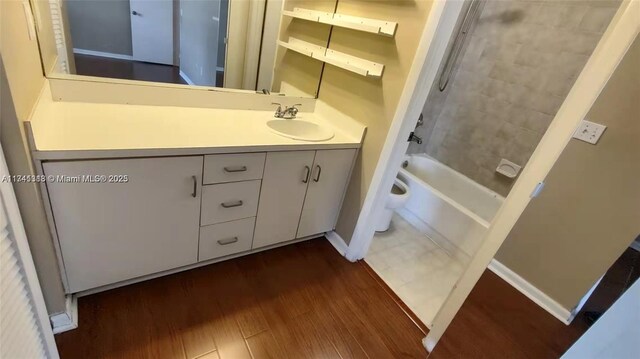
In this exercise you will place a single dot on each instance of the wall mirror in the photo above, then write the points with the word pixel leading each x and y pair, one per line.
pixel 230 44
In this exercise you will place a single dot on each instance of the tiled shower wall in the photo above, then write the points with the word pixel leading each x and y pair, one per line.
pixel 517 67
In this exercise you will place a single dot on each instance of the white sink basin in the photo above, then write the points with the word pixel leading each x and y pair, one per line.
pixel 300 130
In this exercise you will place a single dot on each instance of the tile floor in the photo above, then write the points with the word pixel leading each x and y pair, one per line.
pixel 419 271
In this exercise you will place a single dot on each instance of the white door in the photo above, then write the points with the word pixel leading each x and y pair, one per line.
pixel 110 232
pixel 152 30
pixel 328 182
pixel 199 41
pixel 284 184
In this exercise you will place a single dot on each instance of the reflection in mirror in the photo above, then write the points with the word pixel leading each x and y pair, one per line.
pixel 216 43
pixel 295 73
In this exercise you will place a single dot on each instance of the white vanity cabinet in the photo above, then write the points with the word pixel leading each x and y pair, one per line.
pixel 301 194
pixel 110 232
pixel 171 212
pixel 327 184
pixel 284 185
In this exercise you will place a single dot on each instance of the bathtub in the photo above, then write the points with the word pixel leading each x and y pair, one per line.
pixel 447 205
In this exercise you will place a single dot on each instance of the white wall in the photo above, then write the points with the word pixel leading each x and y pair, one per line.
pixel 199 29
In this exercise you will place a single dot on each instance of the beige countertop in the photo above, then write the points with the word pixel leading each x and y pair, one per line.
pixel 67 130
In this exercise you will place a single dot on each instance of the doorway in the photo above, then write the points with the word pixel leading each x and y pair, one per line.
pixel 488 107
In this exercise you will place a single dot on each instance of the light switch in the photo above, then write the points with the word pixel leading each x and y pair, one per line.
pixel 589 132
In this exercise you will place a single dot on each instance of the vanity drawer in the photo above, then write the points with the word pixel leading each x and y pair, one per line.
pixel 233 167
pixel 223 239
pixel 229 201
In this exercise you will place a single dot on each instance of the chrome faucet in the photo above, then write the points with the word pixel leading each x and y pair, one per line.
pixel 414 138
pixel 288 112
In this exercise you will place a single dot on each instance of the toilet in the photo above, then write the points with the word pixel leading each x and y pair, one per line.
pixel 397 198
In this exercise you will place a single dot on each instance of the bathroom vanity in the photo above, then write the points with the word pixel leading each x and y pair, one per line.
pixel 134 192
pixel 140 180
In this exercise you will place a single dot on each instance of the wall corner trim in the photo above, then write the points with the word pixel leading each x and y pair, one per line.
pixel 67 320
pixel 337 242
pixel 536 295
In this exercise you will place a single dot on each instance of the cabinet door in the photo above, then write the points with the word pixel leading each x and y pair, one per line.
pixel 328 182
pixel 283 188
pixel 110 232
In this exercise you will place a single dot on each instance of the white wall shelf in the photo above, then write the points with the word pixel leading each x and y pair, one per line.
pixel 306 14
pixel 339 59
pixel 302 47
pixel 373 26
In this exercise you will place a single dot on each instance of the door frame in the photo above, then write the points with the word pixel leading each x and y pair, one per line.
pixel 439 28
pixel 255 27
pixel 269 47
pixel 244 36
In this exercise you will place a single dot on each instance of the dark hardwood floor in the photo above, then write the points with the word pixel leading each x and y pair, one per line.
pixel 302 301
pixel 497 321
pixel 299 301
pixel 126 69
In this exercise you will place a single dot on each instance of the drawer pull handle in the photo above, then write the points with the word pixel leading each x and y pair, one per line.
pixel 318 175
pixel 235 169
pixel 232 204
pixel 307 173
pixel 194 194
pixel 224 242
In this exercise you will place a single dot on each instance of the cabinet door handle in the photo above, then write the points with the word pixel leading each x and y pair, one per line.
pixel 232 204
pixel 307 173
pixel 318 175
pixel 224 242
pixel 235 169
pixel 195 186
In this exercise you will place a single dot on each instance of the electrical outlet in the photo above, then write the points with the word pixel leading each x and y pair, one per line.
pixel 589 132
